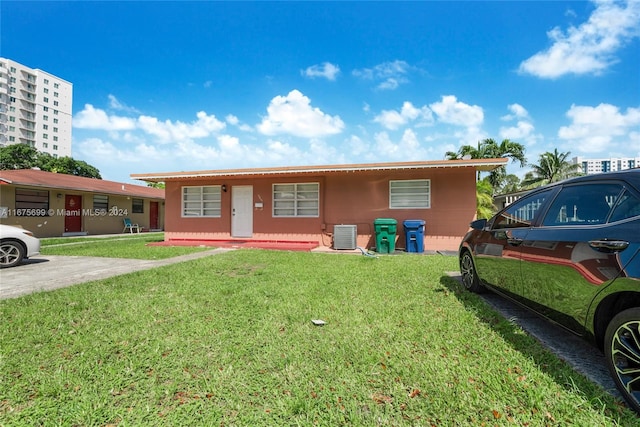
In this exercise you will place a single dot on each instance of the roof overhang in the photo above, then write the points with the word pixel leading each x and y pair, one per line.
pixel 484 165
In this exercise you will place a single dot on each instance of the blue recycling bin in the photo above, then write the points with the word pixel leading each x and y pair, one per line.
pixel 414 235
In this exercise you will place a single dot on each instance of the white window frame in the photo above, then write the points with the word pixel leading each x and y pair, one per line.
pixel 296 200
pixel 410 194
pixel 205 201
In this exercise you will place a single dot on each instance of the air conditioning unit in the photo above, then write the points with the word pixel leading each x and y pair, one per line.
pixel 344 236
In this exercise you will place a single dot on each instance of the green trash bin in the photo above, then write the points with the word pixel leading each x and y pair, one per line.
pixel 385 229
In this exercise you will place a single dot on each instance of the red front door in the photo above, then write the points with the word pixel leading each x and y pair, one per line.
pixel 72 214
pixel 153 215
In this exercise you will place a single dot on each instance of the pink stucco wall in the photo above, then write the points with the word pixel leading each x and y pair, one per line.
pixel 345 198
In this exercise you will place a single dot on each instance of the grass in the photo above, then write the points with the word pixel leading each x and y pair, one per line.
pixel 228 340
pixel 117 246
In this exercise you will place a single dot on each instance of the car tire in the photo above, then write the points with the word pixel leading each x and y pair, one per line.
pixel 622 350
pixel 11 253
pixel 470 279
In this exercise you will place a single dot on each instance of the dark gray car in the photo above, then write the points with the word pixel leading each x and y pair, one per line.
pixel 570 251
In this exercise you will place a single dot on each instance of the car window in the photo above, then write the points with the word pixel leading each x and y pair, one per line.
pixel 585 204
pixel 628 206
pixel 522 212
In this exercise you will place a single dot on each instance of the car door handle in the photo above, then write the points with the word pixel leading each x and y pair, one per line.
pixel 514 241
pixel 608 245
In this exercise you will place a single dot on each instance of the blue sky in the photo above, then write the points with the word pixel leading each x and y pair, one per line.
pixel 173 86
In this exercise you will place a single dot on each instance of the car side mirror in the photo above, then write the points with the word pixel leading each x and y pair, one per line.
pixel 479 224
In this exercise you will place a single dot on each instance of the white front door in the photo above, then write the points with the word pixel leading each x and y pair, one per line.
pixel 242 211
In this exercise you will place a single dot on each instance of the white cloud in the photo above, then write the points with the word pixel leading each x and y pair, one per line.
pixel 168 131
pixel 406 149
pixel 589 48
pixel 390 75
pixel 517 112
pixel 327 70
pixel 115 104
pixel 450 110
pixel 595 129
pixel 523 130
pixel 94 118
pixel 392 119
pixel 294 115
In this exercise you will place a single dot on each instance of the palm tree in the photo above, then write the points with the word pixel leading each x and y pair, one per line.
pixel 484 199
pixel 490 149
pixel 551 167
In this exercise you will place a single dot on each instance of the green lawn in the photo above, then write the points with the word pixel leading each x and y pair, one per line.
pixel 228 340
pixel 116 246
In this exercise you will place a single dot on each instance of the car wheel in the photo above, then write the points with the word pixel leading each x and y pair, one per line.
pixel 470 278
pixel 11 253
pixel 622 351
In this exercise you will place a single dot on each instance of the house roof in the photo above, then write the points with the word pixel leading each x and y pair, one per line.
pixel 477 164
pixel 38 178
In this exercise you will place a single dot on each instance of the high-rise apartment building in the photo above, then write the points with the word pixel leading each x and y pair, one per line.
pixel 35 109
pixel 591 166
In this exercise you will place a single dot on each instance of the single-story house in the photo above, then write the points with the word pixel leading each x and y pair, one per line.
pixel 54 204
pixel 307 203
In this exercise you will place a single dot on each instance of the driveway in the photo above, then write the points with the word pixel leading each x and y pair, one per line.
pixel 45 273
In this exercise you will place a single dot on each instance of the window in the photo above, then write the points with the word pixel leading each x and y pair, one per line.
pixel 45 136
pixel 582 205
pixel 46 90
pixel 45 108
pixel 55 129
pixel 55 121
pixel 100 202
pixel 45 127
pixel 46 99
pixel 45 118
pixel 296 200
pixel 55 94
pixel 521 213
pixel 12 119
pixel 34 202
pixel 55 147
pixel 137 205
pixel 45 145
pixel 46 81
pixel 204 201
pixel 55 103
pixel 55 138
pixel 628 206
pixel 410 194
pixel 56 85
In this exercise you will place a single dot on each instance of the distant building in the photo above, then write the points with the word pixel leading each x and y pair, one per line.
pixel 35 109
pixel 591 166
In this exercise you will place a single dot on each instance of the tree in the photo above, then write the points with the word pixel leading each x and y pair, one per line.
pixel 69 166
pixel 489 149
pixel 551 167
pixel 22 156
pixel 156 184
pixel 511 184
pixel 484 199
pixel 18 156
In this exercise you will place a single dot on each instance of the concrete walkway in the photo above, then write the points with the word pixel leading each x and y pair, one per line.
pixel 45 273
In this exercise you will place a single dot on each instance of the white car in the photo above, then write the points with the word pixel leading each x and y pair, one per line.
pixel 16 244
